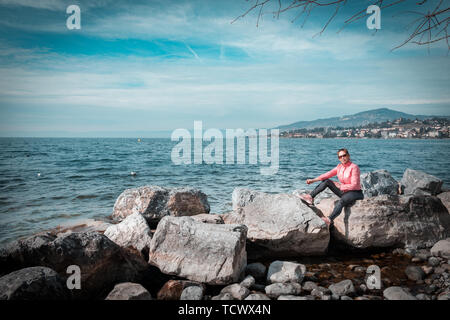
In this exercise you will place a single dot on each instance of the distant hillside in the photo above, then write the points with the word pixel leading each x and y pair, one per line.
pixel 355 120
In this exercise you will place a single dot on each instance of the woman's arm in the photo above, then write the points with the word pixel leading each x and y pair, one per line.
pixel 324 176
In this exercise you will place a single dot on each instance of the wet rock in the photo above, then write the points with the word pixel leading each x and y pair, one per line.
pixel 277 289
pixel 192 293
pixel 34 283
pixel 257 296
pixel 441 249
pixel 378 182
pixel 414 273
pixel 279 225
pixel 208 253
pixel 342 288
pixel 173 289
pixel 415 180
pixel 391 221
pixel 155 202
pixel 346 298
pixel 132 232
pixel 208 218
pixel 257 270
pixel 236 290
pixel 422 296
pixel 248 282
pixel 102 263
pixel 285 271
pixel 129 291
pixel 397 293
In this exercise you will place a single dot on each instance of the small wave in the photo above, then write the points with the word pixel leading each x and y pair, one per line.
pixel 86 196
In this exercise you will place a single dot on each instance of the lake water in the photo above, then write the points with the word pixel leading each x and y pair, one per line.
pixel 45 182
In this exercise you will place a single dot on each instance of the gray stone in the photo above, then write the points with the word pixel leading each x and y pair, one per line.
pixel 256 269
pixel 378 182
pixel 292 297
pixel 397 293
pixel 285 271
pixel 342 288
pixel 277 289
pixel 203 252
pixel 34 283
pixel 132 232
pixel 309 286
pixel 248 282
pixel 129 291
pixel 387 221
pixel 422 296
pixel 433 261
pixel 415 180
pixel 155 202
pixel 223 296
pixel 279 225
pixel 257 296
pixel 414 273
pixel 237 291
pixel 441 249
pixel 444 295
pixel 320 292
pixel 346 298
pixel 192 293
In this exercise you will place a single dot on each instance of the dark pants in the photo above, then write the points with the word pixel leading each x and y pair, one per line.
pixel 347 198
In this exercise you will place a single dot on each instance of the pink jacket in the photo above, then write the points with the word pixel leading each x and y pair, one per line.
pixel 347 174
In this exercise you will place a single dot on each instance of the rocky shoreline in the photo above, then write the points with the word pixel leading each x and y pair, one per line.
pixel 164 244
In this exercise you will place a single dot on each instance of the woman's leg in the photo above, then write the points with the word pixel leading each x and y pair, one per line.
pixel 323 185
pixel 346 199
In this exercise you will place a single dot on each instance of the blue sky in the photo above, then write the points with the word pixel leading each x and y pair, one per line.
pixel 146 66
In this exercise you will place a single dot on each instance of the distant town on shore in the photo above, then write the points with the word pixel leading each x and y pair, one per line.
pixel 401 128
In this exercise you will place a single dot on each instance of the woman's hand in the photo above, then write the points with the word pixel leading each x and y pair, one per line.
pixel 309 181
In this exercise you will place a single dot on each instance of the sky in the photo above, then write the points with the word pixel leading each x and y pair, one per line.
pixel 144 68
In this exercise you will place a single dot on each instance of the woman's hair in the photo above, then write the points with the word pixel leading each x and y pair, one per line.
pixel 343 149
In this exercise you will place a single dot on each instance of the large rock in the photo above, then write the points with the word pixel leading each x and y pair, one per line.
pixel 133 232
pixel 208 253
pixel 279 225
pixel 391 221
pixel 129 291
pixel 34 283
pixel 445 198
pixel 155 202
pixel 441 249
pixel 415 181
pixel 102 263
pixel 378 182
pixel 285 271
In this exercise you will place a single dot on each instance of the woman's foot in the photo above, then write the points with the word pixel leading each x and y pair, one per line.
pixel 326 220
pixel 307 198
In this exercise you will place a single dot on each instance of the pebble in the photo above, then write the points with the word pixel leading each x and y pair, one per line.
pixel 414 273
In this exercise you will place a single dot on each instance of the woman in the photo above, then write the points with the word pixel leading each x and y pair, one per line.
pixel 349 188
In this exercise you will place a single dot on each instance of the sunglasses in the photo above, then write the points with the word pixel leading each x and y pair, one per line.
pixel 342 155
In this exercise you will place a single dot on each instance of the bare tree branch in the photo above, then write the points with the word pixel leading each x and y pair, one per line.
pixel 431 23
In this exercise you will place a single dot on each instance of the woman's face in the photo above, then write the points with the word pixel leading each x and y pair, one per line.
pixel 343 156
